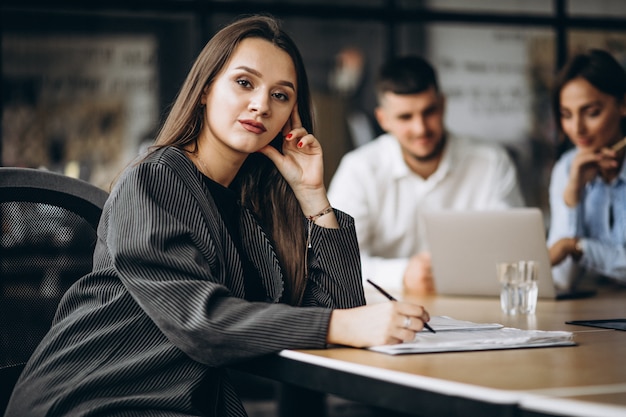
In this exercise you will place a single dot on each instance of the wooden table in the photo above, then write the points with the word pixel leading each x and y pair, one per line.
pixel 584 380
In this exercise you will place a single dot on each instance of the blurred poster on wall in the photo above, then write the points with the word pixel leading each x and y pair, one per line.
pixel 487 76
pixel 78 104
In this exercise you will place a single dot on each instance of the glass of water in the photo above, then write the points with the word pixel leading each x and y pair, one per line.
pixel 518 280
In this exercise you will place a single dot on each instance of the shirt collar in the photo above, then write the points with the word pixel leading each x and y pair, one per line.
pixel 401 170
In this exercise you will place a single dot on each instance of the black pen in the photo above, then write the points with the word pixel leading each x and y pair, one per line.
pixel 392 298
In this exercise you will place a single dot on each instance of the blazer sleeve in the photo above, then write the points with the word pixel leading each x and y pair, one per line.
pixel 334 266
pixel 163 254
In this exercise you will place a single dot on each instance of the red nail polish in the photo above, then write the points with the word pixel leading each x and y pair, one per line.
pixel 289 136
pixel 299 144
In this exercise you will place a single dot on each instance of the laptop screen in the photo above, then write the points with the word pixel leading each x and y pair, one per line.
pixel 466 245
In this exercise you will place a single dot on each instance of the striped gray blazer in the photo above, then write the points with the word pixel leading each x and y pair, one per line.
pixel 149 331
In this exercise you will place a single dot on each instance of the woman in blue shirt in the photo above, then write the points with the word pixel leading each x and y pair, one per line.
pixel 587 236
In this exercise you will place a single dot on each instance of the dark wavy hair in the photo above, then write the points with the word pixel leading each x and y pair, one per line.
pixel 601 70
pixel 263 189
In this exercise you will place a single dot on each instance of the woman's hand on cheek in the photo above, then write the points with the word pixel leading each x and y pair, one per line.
pixel 301 161
pixel 301 164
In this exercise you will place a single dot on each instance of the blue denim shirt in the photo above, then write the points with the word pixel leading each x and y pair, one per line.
pixel 599 220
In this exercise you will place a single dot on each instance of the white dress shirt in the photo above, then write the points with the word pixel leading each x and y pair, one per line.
pixel 375 186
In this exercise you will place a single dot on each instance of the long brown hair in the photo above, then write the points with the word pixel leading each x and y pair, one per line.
pixel 263 189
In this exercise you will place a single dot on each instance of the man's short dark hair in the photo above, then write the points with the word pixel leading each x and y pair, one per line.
pixel 406 75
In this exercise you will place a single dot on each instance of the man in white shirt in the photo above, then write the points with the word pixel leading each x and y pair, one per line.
pixel 415 167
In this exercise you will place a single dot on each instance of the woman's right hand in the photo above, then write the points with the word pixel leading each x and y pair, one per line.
pixel 563 248
pixel 376 324
pixel 585 166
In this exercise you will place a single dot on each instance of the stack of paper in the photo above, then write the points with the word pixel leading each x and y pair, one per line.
pixel 458 335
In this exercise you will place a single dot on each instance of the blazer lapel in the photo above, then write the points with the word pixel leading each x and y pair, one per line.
pixel 262 254
pixel 227 264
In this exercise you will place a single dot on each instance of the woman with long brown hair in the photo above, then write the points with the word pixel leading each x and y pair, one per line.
pixel 588 185
pixel 218 246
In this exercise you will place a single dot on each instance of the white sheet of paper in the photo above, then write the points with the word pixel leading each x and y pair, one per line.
pixel 458 335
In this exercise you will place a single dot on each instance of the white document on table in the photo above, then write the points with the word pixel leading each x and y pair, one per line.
pixel 445 323
pixel 458 335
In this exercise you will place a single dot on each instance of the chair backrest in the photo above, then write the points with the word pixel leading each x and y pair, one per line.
pixel 48 225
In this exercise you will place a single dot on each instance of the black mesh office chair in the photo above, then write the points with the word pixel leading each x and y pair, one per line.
pixel 48 225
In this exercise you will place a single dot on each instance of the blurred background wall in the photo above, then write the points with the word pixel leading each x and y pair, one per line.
pixel 86 84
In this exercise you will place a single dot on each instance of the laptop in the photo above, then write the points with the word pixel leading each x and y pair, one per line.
pixel 466 245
